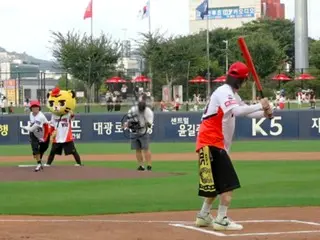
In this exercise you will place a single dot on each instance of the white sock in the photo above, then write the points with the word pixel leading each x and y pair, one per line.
pixel 206 208
pixel 222 212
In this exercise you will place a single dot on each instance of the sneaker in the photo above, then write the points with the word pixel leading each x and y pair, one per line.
pixel 149 168
pixel 38 167
pixel 226 224
pixel 78 165
pixel 47 165
pixel 204 221
pixel 140 168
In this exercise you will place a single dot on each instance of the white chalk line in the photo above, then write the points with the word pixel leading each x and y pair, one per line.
pixel 306 222
pixel 271 233
pixel 280 221
pixel 242 234
pixel 181 225
pixel 91 220
pixel 148 221
pixel 199 230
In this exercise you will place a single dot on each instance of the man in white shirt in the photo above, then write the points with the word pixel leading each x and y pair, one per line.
pixel 39 132
pixel 217 176
pixel 144 116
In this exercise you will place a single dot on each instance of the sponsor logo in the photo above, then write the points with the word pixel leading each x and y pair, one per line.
pixel 229 103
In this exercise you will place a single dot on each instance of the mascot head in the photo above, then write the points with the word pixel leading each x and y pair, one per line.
pixel 60 102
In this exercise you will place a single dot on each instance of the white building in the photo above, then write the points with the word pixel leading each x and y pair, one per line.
pixel 132 66
pixel 19 81
pixel 223 14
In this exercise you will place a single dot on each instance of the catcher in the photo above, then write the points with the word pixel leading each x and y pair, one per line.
pixel 39 132
pixel 216 172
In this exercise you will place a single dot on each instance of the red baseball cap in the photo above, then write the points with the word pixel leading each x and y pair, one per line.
pixel 34 103
pixel 238 70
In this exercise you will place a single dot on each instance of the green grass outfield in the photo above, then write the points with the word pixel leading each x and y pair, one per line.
pixel 265 183
pixel 177 147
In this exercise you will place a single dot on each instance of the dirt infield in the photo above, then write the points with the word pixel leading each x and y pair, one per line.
pixel 65 173
pixel 259 223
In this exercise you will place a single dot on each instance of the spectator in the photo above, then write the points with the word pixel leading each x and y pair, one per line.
pixel 117 103
pixel 2 103
pixel 281 102
pixel 136 92
pixel 26 105
pixel 124 89
pixel 312 99
pixel 109 102
pixel 177 103
pixel 163 107
pixel 10 108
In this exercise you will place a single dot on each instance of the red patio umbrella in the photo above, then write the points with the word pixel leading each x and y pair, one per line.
pixel 115 80
pixel 281 78
pixel 141 79
pixel 220 79
pixel 305 76
pixel 198 79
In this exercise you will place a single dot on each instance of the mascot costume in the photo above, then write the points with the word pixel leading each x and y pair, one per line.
pixel 61 104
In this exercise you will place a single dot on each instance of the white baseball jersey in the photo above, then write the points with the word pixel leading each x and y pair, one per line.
pixel 62 125
pixel 218 123
pixel 42 124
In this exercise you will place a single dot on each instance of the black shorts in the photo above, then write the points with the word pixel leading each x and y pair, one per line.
pixel 68 148
pixel 37 146
pixel 216 172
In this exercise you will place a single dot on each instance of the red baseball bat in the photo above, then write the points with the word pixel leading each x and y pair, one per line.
pixel 247 56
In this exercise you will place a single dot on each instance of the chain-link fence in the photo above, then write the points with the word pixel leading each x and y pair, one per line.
pixel 17 88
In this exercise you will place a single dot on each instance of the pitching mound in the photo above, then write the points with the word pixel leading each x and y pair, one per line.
pixel 61 173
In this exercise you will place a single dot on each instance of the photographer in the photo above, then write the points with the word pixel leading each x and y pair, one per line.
pixel 140 119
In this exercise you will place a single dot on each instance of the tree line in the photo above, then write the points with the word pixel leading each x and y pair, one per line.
pixel 176 59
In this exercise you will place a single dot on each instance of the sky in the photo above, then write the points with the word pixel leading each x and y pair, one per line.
pixel 26 25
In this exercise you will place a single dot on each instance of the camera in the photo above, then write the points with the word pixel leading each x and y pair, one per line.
pixel 133 122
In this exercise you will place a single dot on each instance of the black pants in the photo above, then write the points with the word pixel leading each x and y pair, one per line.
pixel 216 172
pixel 67 147
pixel 37 146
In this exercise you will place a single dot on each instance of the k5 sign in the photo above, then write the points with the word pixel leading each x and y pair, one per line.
pixel 275 128
pixel 283 125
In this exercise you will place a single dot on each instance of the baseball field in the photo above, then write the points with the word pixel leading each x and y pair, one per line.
pixel 108 199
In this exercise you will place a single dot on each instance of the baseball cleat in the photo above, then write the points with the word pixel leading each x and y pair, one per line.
pixel 204 221
pixel 226 224
pixel 38 168
pixel 149 168
pixel 140 168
